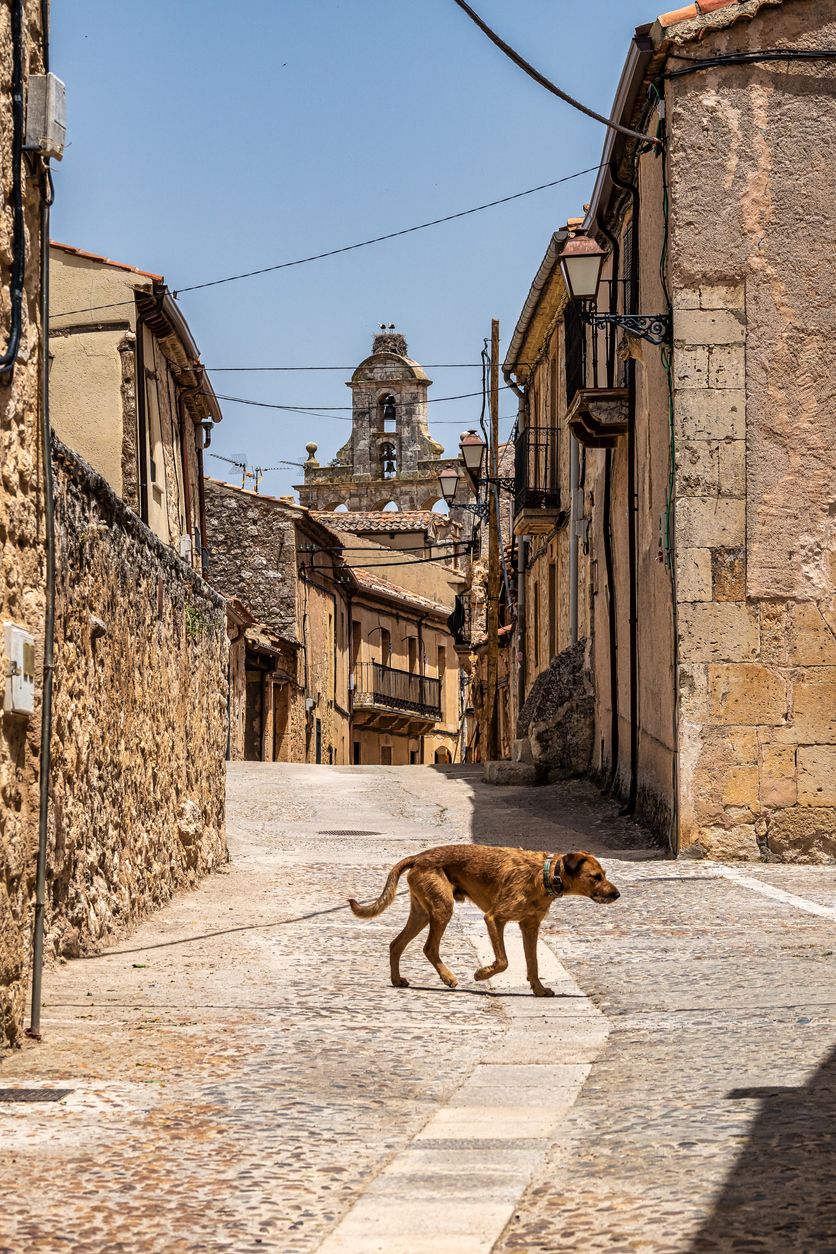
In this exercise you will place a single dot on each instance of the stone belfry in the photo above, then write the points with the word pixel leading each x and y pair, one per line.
pixel 390 456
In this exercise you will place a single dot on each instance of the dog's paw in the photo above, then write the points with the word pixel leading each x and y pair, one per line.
pixel 400 983
pixel 541 991
pixel 484 973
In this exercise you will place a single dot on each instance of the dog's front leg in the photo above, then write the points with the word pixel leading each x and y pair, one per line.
pixel 530 931
pixel 496 928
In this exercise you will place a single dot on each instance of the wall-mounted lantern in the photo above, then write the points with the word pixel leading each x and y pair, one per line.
pixel 582 261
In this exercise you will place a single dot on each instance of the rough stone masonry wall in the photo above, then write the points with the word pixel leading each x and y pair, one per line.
pixel 21 554
pixel 139 728
pixel 754 325
pixel 252 554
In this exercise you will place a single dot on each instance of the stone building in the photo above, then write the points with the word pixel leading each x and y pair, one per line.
pixel 21 509
pixel 129 393
pixel 390 458
pixel 354 667
pixel 282 565
pixel 677 520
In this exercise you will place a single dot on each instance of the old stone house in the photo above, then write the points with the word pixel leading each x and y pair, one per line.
pixel 675 501
pixel 354 667
pixel 129 393
pixel 291 701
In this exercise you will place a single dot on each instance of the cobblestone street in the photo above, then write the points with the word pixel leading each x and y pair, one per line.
pixel 240 1075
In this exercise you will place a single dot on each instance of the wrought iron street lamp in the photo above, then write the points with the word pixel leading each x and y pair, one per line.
pixel 448 481
pixel 473 449
pixel 582 261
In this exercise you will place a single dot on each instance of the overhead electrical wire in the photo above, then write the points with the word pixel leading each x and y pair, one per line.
pixel 346 248
pixel 336 411
pixel 529 69
pixel 454 365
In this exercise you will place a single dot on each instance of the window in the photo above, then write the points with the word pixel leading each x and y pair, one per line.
pixel 356 752
pixel 412 653
pixel 535 652
pixel 388 458
pixel 553 649
pixel 385 647
pixel 387 413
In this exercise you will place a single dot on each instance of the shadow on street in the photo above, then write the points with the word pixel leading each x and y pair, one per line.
pixel 780 1194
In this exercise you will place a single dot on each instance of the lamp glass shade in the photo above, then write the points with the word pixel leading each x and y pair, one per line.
pixel 448 481
pixel 473 452
pixel 582 262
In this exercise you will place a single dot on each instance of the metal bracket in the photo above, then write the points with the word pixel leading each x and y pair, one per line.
pixel 655 328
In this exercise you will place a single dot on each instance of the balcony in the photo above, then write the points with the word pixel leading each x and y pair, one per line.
pixel 594 375
pixel 537 481
pixel 395 700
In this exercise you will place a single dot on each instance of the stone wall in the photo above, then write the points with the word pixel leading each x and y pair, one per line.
pixel 21 549
pixel 139 721
pixel 754 320
pixel 252 554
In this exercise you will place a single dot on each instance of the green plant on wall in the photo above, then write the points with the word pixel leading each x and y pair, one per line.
pixel 195 622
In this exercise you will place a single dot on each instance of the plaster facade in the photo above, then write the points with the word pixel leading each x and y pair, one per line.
pixel 128 391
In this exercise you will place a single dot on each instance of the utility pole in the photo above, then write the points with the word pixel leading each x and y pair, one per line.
pixel 492 711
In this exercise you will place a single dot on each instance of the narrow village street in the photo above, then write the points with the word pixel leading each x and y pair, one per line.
pixel 240 1075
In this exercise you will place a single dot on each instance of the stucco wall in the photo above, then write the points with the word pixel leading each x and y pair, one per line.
pixel 139 724
pixel 21 555
pixel 754 326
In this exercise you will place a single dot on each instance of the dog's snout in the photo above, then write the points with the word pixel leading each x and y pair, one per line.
pixel 615 894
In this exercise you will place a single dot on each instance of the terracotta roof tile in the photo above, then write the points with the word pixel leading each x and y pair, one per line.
pixel 382 521
pixel 117 265
pixel 385 587
pixel 691 11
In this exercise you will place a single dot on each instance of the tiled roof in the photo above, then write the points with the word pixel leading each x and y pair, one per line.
pixel 117 265
pixel 394 592
pixel 690 11
pixel 382 521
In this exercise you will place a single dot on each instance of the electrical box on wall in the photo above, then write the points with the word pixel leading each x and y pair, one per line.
pixel 46 116
pixel 19 669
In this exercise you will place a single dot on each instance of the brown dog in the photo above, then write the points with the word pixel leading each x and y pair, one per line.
pixel 508 885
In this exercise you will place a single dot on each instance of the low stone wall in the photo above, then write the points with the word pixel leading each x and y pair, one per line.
pixel 139 726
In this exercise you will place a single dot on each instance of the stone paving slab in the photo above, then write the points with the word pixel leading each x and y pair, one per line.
pixel 244 1077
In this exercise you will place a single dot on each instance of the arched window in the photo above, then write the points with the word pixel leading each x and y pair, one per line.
pixel 387 413
pixel 388 456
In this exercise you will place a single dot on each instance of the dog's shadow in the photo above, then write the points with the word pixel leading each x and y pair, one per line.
pixel 483 992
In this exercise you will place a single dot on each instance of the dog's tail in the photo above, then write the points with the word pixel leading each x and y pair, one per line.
pixel 387 896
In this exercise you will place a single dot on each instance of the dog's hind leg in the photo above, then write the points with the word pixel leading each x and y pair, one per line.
pixel 437 894
pixel 496 929
pixel 530 931
pixel 417 921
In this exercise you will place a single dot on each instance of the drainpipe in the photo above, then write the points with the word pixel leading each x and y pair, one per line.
pixel 574 519
pixel 141 404
pixel 609 561
pixel 521 565
pixel 45 765
pixel 633 189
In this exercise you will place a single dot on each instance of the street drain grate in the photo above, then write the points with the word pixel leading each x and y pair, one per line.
pixel 33 1095
pixel 349 832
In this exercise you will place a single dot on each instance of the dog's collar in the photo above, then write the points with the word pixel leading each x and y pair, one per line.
pixel 553 884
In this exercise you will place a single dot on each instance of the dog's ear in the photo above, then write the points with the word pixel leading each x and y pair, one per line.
pixel 572 862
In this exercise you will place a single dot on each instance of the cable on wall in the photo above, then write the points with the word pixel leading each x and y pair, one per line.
pixel 7 360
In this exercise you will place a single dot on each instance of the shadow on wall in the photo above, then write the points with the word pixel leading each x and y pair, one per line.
pixel 571 814
pixel 781 1192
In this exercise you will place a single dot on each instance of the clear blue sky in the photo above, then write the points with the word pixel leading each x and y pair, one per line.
pixel 209 137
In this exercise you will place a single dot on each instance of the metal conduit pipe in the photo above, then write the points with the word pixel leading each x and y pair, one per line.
pixel 521 564
pixel 609 561
pixel 632 188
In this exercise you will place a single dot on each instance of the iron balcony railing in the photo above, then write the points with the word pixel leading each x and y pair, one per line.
pixel 537 469
pixel 591 355
pixel 398 690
